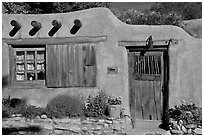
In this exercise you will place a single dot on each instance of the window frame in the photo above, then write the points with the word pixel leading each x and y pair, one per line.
pixel 13 67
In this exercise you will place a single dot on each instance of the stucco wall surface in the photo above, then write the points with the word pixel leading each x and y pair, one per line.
pixel 185 57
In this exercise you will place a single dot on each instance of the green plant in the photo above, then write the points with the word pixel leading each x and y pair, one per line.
pixel 27 111
pixel 31 111
pixel 188 112
pixel 115 101
pixel 7 110
pixel 96 106
pixel 65 105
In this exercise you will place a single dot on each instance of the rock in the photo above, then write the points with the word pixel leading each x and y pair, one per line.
pixel 106 126
pixel 117 127
pixel 60 127
pixel 115 122
pixel 108 132
pixel 108 122
pixel 174 125
pixel 43 116
pixel 97 132
pixel 97 128
pixel 150 133
pixel 111 118
pixel 100 122
pixel 75 121
pixel 13 115
pixel 18 115
pixel 86 122
pixel 119 133
pixel 58 131
pixel 22 132
pixel 17 118
pixel 84 129
pixel 38 120
pixel 198 131
pixel 75 129
pixel 189 113
pixel 126 120
pixel 184 129
pixel 66 120
pixel 176 132
pixel 167 133
pixel 47 126
pixel 38 117
pixel 190 126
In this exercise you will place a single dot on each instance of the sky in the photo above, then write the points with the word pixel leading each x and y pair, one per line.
pixel 136 5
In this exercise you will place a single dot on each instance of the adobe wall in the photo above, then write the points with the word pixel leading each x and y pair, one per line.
pixel 185 57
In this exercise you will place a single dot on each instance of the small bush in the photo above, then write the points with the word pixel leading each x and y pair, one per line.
pixel 96 106
pixel 18 106
pixel 7 110
pixel 188 112
pixel 31 111
pixel 65 105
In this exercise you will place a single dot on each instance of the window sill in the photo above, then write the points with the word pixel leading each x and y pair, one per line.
pixel 30 85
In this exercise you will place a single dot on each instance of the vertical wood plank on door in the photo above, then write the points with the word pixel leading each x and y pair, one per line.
pixel 64 66
pixel 51 66
pixel 80 65
pixel 157 91
pixel 139 106
pixel 131 85
pixel 59 65
pixel 144 90
pixel 75 69
pixel 71 62
pixel 152 106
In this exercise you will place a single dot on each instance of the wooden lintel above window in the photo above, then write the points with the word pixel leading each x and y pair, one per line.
pixel 36 41
pixel 143 43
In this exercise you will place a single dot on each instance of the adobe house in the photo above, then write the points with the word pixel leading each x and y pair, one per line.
pixel 150 67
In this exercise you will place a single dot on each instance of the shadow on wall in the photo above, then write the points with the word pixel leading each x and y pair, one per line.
pixel 5 81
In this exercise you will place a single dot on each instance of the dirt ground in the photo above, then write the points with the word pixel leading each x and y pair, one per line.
pixel 143 127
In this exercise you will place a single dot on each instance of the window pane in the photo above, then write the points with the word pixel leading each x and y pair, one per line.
pixel 40 55
pixel 30 65
pixel 20 66
pixel 40 65
pixel 41 75
pixel 20 76
pixel 30 55
pixel 20 55
pixel 31 76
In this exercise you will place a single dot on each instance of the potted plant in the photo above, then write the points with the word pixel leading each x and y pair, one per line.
pixel 114 107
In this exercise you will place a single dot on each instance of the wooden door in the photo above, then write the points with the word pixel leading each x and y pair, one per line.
pixel 145 79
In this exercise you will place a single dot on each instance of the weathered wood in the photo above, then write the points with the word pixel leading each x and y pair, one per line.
pixel 71 66
pixel 51 66
pixel 131 88
pixel 53 40
pixel 80 65
pixel 158 103
pixel 145 85
pixel 139 100
pixel 64 66
pixel 143 43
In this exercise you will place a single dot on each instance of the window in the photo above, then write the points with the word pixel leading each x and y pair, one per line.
pixel 29 64
pixel 147 67
pixel 54 66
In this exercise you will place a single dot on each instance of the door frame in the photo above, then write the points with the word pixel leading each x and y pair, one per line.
pixel 165 86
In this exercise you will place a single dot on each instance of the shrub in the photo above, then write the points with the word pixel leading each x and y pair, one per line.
pixel 96 106
pixel 7 110
pixel 65 105
pixel 18 106
pixel 31 111
pixel 188 112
